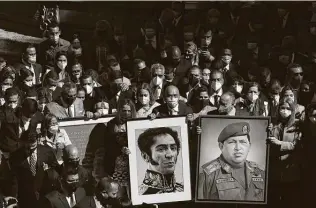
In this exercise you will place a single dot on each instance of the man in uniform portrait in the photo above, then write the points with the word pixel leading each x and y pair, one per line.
pixel 159 148
pixel 231 176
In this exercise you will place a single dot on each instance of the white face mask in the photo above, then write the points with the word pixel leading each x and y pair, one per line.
pixel 62 65
pixel 88 89
pixel 253 97
pixel 53 129
pixel 2 101
pixel 32 60
pixel 216 85
pixel 52 88
pixel 226 59
pixel 41 107
pixel 172 104
pixel 276 98
pixel 13 105
pixel 144 100
pixel 157 81
pixel 5 87
pixel 284 113
pixel 238 88
pixel 28 83
pixel 103 111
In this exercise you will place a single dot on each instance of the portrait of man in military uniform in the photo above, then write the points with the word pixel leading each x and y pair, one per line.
pixel 231 177
pixel 160 148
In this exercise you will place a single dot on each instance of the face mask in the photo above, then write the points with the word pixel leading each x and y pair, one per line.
pixel 62 66
pixel 172 104
pixel 72 187
pixel 5 87
pixel 32 60
pixel 188 56
pixel 238 88
pixel 29 83
pixel 144 100
pixel 88 89
pixel 157 81
pixel 216 86
pixel 12 105
pixel 312 30
pixel 284 113
pixel 224 110
pixel 77 52
pixel 52 88
pixel 53 129
pixel 103 111
pixel 276 98
pixel 226 59
pixel 77 75
pixel 253 97
pixel 193 81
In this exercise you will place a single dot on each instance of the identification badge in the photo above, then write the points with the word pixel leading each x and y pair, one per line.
pixel 223 180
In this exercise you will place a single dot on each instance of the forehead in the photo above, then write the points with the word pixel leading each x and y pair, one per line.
pixel 164 139
pixel 87 80
pixel 285 105
pixel 216 75
pixel 288 92
pixel 77 66
pixel 54 29
pixel 141 65
pixel 62 57
pixel 118 81
pixel 206 70
pixel 237 138
pixel 29 78
pixel 204 93
pixel 158 70
pixel 195 71
pixel 253 88
pixel 31 50
pixel 172 91
pixel 53 120
pixel 72 177
pixel 225 98
pixel 296 70
pixel 126 107
pixel 14 97
pixel 143 91
pixel 7 80
pixel 72 91
pixel 100 105
pixel 81 91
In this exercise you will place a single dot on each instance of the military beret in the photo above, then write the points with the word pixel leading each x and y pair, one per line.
pixel 234 129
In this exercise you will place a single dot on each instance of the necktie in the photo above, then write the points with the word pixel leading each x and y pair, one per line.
pixel 216 102
pixel 33 163
pixel 71 115
pixel 156 92
pixel 72 200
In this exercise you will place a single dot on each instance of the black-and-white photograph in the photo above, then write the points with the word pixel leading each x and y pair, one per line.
pixel 233 160
pixel 159 162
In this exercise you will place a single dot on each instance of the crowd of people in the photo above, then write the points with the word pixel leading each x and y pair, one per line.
pixel 237 59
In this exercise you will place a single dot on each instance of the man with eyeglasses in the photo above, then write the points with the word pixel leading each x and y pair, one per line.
pixel 68 105
pixel 29 61
pixel 295 75
pixel 53 44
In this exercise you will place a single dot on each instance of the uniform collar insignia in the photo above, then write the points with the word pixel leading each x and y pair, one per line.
pixel 158 181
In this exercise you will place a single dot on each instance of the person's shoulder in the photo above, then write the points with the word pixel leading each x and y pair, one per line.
pixel 52 195
pixel 211 166
pixel 64 42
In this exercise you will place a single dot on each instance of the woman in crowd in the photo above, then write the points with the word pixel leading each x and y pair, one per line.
pixel 251 104
pixel 116 151
pixel 6 82
pixel 11 71
pixel 286 150
pixel 145 101
pixel 61 66
pixel 25 81
pixel 287 92
pixel 54 137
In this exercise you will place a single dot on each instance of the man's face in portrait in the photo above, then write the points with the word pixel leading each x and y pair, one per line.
pixel 235 150
pixel 164 154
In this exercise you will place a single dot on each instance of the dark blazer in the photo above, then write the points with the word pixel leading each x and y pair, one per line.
pixel 181 70
pixel 163 111
pixel 51 96
pixel 96 96
pixel 88 202
pixel 113 103
pixel 38 72
pixel 56 199
pixel 29 186
pixel 9 130
pixel 51 178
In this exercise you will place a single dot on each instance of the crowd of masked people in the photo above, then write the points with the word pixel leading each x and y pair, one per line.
pixel 237 59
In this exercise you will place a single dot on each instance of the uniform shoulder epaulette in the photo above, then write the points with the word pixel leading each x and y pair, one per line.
pixel 255 165
pixel 211 166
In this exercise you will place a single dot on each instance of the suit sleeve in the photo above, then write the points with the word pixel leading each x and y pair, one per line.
pixel 204 186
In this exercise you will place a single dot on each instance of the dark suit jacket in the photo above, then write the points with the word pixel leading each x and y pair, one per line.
pixel 113 103
pixel 37 70
pixel 51 179
pixel 88 202
pixel 57 109
pixel 56 199
pixel 181 70
pixel 9 130
pixel 163 111
pixel 29 186
pixel 44 91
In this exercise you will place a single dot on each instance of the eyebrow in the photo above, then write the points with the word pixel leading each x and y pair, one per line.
pixel 165 145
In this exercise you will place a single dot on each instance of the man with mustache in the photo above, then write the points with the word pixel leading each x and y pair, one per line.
pixel 160 148
pixel 231 176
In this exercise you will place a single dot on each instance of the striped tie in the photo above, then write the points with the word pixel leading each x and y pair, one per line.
pixel 33 163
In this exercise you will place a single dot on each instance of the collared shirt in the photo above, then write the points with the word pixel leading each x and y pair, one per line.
pixel 68 198
pixel 72 109
pixel 284 20
pixel 60 137
pixel 212 97
pixel 117 96
pixel 25 126
pixel 234 18
pixel 232 112
pixel 176 21
pixel 174 111
pixel 152 41
pixel 97 203
pixel 156 89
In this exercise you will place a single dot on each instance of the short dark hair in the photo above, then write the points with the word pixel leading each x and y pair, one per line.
pixel 293 66
pixel 146 139
pixel 11 92
pixel 68 86
pixel 61 53
pixel 53 25
pixel 29 45
pixel 85 76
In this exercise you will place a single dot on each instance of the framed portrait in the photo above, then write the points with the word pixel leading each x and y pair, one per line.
pixel 159 160
pixel 233 160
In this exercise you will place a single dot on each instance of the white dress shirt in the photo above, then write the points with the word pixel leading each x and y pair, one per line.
pixel 97 203
pixel 212 97
pixel 174 111
pixel 68 198
pixel 28 158
pixel 72 109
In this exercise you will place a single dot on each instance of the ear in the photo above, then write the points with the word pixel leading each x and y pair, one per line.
pixel 146 157
pixel 220 144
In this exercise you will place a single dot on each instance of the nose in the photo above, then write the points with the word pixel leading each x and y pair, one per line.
pixel 237 146
pixel 169 153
